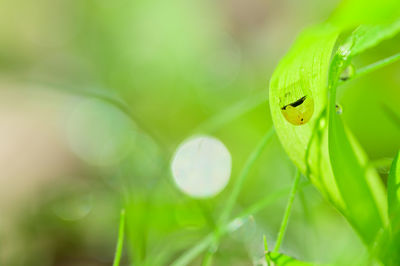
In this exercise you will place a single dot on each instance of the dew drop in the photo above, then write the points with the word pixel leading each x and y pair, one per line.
pixel 322 123
pixel 347 73
pixel 339 109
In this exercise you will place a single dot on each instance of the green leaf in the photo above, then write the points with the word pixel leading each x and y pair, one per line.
pixel 281 259
pixel 285 220
pixel 304 71
pixel 339 170
pixel 367 36
pixel 359 185
pixel 352 13
pixel 120 242
pixel 266 250
pixel 392 114
pixel 393 187
pixel 391 251
pixel 236 223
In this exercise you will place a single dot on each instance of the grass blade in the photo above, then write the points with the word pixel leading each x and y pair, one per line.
pixel 393 250
pixel 235 194
pixel 242 176
pixel 266 251
pixel 330 156
pixel 394 117
pixel 203 244
pixel 393 186
pixel 120 241
pixel 359 186
pixel 206 242
pixel 289 205
pixel 303 71
pixel 282 259
pixel 363 207
pixel 377 65
pixel 231 113
pixel 368 36
pixel 374 66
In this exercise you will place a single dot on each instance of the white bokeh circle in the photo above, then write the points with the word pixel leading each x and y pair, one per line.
pixel 99 133
pixel 201 166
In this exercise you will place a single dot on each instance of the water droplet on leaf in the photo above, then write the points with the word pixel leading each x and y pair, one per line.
pixel 339 109
pixel 347 73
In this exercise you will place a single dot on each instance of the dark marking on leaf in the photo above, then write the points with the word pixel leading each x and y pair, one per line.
pixel 296 103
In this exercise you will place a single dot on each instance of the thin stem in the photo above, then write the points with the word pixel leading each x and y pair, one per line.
pixel 192 253
pixel 375 66
pixel 206 242
pixel 266 251
pixel 120 242
pixel 208 258
pixel 203 244
pixel 231 113
pixel 242 176
pixel 391 114
pixel 289 205
pixel 265 201
pixel 204 208
pixel 235 194
pixel 381 163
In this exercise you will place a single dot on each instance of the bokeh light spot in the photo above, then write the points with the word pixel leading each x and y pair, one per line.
pixel 99 133
pixel 201 167
pixel 73 208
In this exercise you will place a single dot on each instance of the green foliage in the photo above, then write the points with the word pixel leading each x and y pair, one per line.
pixel 326 151
pixel 393 249
pixel 276 258
pixel 178 68
pixel 212 242
pixel 361 208
pixel 306 65
pixel 282 259
pixel 351 13
pixel 394 194
pixel 365 206
pixel 230 227
pixel 120 242
pixel 368 36
pixel 282 230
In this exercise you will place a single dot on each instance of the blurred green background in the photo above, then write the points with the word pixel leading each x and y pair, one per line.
pixel 96 96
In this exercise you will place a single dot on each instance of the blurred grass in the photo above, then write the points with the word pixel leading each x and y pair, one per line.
pixel 176 68
pixel 120 241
